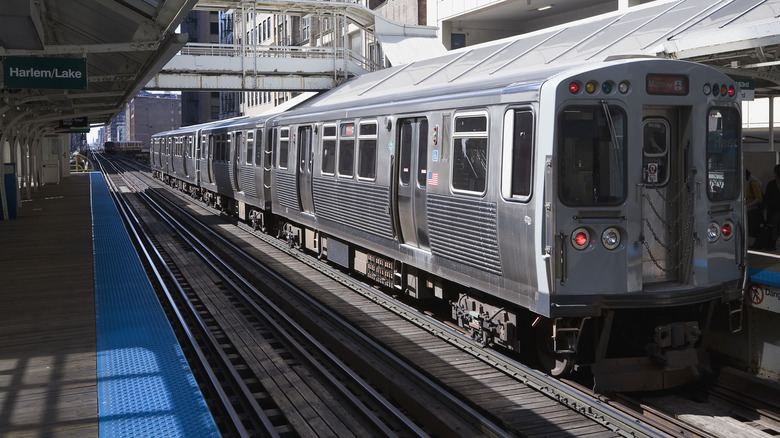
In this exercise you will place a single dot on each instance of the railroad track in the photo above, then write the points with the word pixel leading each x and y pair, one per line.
pixel 513 398
pixel 259 346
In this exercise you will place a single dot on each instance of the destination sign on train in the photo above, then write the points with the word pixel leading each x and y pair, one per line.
pixel 48 73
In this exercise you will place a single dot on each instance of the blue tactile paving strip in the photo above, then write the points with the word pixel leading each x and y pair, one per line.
pixel 769 278
pixel 145 386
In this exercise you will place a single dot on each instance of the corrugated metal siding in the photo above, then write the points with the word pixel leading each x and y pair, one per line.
pixel 465 231
pixel 247 182
pixel 286 190
pixel 360 205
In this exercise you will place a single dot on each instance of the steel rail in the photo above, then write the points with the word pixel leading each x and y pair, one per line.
pixel 220 267
pixel 140 236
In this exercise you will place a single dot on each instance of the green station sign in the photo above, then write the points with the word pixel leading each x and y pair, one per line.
pixel 49 73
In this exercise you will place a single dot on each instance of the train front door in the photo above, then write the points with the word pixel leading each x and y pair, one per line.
pixel 667 195
pixel 305 156
pixel 411 182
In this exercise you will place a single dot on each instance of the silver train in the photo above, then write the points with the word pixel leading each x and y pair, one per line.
pixel 590 214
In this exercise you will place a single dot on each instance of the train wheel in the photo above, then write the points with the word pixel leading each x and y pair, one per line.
pixel 553 363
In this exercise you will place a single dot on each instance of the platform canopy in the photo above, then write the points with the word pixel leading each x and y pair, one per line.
pixel 81 60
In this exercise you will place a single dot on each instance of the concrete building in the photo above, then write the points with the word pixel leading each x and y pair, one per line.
pixel 200 107
pixel 150 113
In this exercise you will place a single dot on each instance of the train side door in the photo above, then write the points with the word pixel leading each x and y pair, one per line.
pixel 305 155
pixel 667 210
pixel 411 182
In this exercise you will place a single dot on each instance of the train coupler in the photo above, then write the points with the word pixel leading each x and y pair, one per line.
pixel 674 344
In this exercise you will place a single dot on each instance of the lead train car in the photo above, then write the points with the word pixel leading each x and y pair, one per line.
pixel 592 213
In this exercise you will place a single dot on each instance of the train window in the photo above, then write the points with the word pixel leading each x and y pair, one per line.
pixel 592 156
pixel 304 149
pixel 259 147
pixel 405 150
pixel 723 153
pixel 422 154
pixel 250 146
pixel 347 150
pixel 329 150
pixel 284 146
pixel 655 151
pixel 469 153
pixel 517 154
pixel 224 146
pixel 238 140
pixel 367 150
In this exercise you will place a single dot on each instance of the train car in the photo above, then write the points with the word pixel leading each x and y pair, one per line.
pixel 592 213
pixel 126 148
pixel 176 157
pixel 224 164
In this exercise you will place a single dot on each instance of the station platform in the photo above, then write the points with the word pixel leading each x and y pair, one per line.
pixel 85 348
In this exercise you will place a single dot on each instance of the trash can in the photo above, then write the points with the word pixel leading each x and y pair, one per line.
pixel 9 173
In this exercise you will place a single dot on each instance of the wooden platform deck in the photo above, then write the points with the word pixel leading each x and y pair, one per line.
pixel 48 384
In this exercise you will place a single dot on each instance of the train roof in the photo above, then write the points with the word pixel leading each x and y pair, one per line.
pixel 466 72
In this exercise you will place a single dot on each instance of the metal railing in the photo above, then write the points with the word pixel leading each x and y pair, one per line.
pixel 268 51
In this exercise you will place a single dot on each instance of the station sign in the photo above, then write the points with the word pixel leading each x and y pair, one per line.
pixel 75 122
pixel 48 73
pixel 747 88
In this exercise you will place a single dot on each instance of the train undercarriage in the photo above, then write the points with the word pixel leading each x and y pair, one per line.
pixel 626 350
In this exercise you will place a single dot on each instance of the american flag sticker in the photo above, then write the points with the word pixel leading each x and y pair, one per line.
pixel 433 178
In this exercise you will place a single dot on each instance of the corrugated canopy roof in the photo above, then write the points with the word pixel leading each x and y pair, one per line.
pixel 740 38
pixel 124 43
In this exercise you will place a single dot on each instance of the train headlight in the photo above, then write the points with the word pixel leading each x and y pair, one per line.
pixel 715 89
pixel 607 87
pixel 623 87
pixel 713 232
pixel 610 238
pixel 580 238
pixel 707 89
pixel 590 87
pixel 574 87
pixel 732 91
pixel 723 90
pixel 727 230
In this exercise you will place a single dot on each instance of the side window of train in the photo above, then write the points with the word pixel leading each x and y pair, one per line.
pixel 259 147
pixel 329 150
pixel 284 147
pixel 250 146
pixel 655 151
pixel 517 154
pixel 347 149
pixel 367 150
pixel 469 152
pixel 422 154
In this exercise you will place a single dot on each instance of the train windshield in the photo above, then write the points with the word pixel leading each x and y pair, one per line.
pixel 723 139
pixel 592 155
